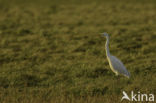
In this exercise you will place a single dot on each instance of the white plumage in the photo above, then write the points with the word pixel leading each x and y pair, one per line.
pixel 115 64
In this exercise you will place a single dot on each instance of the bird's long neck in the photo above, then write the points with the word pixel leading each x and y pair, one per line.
pixel 107 46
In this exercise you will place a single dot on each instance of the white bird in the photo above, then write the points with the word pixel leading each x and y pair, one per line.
pixel 115 64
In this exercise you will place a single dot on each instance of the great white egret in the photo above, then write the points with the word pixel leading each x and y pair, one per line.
pixel 115 64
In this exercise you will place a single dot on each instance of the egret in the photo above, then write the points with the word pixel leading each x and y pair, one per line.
pixel 115 64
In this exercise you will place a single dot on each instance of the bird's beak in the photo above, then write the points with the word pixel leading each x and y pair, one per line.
pixel 102 34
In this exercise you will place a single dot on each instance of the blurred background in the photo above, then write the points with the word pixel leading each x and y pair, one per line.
pixel 51 51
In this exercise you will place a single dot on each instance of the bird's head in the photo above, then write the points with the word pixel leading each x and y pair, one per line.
pixel 104 34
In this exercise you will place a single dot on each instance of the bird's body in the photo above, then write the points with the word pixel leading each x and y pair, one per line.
pixel 115 64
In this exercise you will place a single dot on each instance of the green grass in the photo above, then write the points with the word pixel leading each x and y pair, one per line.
pixel 52 52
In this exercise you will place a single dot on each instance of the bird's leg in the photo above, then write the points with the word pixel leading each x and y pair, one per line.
pixel 118 77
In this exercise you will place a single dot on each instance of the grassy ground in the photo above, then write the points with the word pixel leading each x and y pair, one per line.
pixel 52 52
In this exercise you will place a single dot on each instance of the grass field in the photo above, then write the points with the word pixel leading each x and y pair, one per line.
pixel 52 52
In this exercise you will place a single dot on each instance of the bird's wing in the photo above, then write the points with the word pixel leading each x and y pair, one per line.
pixel 118 65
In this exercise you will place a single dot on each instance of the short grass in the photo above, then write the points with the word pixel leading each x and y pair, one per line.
pixel 52 52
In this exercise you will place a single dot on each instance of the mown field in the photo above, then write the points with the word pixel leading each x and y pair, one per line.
pixel 52 51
